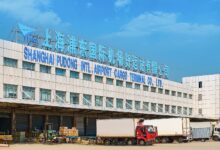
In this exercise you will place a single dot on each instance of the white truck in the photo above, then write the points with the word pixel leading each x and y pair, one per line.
pixel 171 129
pixel 201 130
pixel 216 132
pixel 124 131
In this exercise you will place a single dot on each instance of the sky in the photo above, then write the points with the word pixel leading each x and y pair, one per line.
pixel 183 34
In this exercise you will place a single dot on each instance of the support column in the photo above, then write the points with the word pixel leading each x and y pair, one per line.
pixel 61 120
pixel 30 125
pixel 13 122
pixel 46 121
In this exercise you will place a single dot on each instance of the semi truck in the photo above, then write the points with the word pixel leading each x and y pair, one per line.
pixel 171 129
pixel 125 131
pixel 216 132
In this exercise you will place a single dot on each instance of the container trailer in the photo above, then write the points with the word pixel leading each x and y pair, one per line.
pixel 171 129
pixel 125 131
pixel 201 130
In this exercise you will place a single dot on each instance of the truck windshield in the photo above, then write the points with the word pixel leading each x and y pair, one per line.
pixel 217 129
pixel 150 129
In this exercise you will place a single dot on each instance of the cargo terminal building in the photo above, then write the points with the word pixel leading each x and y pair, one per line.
pixel 40 85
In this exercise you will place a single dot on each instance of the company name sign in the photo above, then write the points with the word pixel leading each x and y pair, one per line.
pixel 76 64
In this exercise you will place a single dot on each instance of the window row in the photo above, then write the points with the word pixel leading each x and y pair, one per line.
pixel 28 93
pixel 74 74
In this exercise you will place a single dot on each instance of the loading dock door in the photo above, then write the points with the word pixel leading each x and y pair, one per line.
pixel 68 121
pixel 55 120
pixel 80 125
pixel 38 122
pixel 90 127
pixel 21 122
pixel 5 123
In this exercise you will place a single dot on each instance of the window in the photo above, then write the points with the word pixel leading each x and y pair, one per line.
pixel 98 101
pixel 45 95
pixel 10 91
pixel 87 100
pixel 153 107
pixel 28 93
pixel 179 110
pixel 128 104
pixel 145 88
pixel 10 62
pixel 60 72
pixel 109 102
pixel 167 108
pixel 87 77
pixel 153 89
pixel 74 98
pixel 119 83
pixel 137 105
pixel 160 91
pixel 173 93
pixel 74 74
pixel 146 106
pixel 119 103
pixel 200 111
pixel 60 96
pixel 128 84
pixel 200 97
pixel 45 69
pixel 179 94
pixel 173 109
pixel 99 79
pixel 185 110
pixel 200 84
pixel 109 81
pixel 28 66
pixel 167 92
pixel 190 96
pixel 160 107
pixel 190 111
pixel 137 86
pixel 184 95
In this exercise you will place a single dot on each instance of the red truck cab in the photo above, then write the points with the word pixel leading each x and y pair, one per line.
pixel 146 134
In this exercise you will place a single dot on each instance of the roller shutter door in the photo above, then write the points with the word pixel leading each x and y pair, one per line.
pixel 80 125
pixel 68 121
pixel 38 122
pixel 55 120
pixel 5 123
pixel 90 127
pixel 21 122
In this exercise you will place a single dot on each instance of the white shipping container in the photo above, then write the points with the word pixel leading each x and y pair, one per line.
pixel 171 126
pixel 116 127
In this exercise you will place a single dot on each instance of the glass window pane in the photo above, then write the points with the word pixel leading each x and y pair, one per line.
pixel 119 103
pixel 129 84
pixel 28 66
pixel 153 107
pixel 60 72
pixel 45 69
pixel 87 77
pixel 99 79
pixel 74 74
pixel 137 86
pixel 45 95
pixel 10 62
pixel 10 91
pixel 119 83
pixel 160 107
pixel 87 100
pixel 146 106
pixel 109 102
pixel 28 93
pixel 74 98
pixel 109 81
pixel 98 101
pixel 128 104
pixel 137 105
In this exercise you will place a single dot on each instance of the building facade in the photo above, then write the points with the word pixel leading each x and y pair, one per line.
pixel 38 86
pixel 206 91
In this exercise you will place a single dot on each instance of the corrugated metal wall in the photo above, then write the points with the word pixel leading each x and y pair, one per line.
pixel 38 122
pixel 21 122
pixel 68 121
pixel 55 120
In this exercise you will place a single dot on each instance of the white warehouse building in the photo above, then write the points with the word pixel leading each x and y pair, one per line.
pixel 39 86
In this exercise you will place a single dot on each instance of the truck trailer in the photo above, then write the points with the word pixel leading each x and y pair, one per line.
pixel 125 131
pixel 201 130
pixel 171 129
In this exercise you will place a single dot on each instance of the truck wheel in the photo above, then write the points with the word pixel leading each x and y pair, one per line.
pixel 141 142
pixel 107 142
pixel 215 138
pixel 180 140
pixel 129 142
pixel 164 140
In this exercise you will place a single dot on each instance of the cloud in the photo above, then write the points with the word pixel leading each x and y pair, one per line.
pixel 161 22
pixel 122 3
pixel 32 11
pixel 89 4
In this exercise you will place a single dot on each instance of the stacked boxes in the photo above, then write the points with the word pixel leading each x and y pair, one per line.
pixel 64 131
